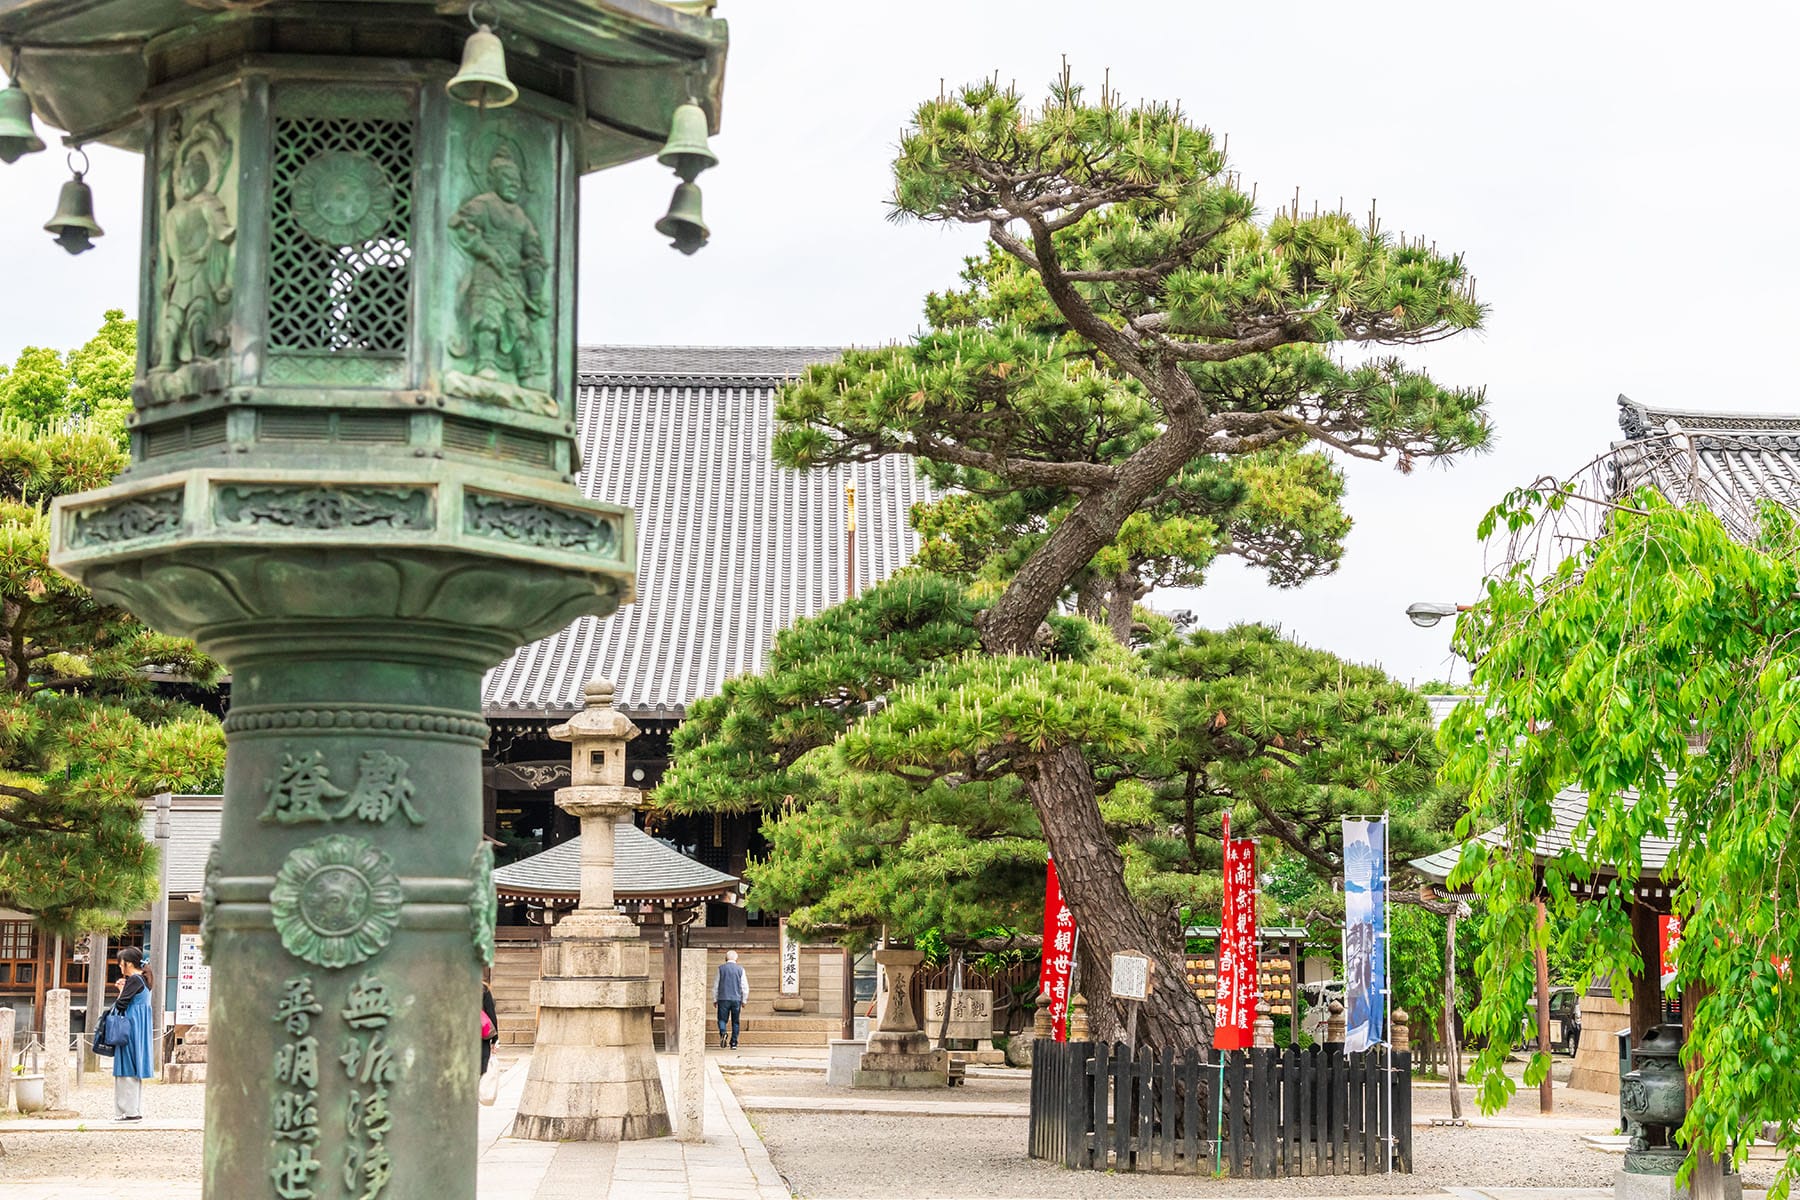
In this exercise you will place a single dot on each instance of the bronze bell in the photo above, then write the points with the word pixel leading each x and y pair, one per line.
pixel 682 222
pixel 74 224
pixel 481 82
pixel 686 150
pixel 18 137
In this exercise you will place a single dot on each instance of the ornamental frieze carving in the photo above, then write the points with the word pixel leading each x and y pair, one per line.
pixel 324 508
pixel 534 524
pixel 127 520
pixel 336 901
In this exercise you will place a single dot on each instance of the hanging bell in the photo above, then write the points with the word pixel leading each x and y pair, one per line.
pixel 481 82
pixel 682 222
pixel 18 137
pixel 686 151
pixel 74 224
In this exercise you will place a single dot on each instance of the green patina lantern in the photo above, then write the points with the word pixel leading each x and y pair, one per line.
pixel 351 480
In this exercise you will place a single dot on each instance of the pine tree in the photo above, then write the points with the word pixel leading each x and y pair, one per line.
pixel 84 735
pixel 1133 324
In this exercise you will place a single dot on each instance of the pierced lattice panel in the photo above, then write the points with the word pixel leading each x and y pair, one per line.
pixel 340 237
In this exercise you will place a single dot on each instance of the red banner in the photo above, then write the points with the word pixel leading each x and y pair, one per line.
pixel 1059 952
pixel 1235 1016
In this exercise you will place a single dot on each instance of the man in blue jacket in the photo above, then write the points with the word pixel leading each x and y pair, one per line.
pixel 730 991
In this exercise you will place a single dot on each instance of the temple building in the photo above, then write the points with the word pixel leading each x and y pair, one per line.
pixel 731 549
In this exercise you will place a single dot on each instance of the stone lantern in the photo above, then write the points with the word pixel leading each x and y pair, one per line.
pixel 352 458
pixel 593 1074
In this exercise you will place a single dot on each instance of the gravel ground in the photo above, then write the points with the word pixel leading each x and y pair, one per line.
pixel 107 1152
pixel 882 1157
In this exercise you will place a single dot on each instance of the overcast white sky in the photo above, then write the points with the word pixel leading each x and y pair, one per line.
pixel 1621 176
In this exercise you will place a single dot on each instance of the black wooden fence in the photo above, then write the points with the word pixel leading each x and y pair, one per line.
pixel 1288 1111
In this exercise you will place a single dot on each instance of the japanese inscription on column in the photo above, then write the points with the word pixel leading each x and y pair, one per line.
pixel 294 1111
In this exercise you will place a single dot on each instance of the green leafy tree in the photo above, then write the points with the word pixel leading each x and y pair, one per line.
pixel 45 388
pixel 1656 670
pixel 84 734
pixel 1133 325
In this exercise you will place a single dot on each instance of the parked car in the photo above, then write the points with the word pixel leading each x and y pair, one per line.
pixel 1565 1022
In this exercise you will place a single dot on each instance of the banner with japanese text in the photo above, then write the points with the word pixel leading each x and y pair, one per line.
pixel 1059 952
pixel 1365 933
pixel 1234 1019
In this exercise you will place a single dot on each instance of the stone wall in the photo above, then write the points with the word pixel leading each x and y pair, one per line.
pixel 517 965
pixel 1597 1058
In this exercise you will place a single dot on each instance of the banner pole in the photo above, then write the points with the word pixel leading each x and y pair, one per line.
pixel 1387 976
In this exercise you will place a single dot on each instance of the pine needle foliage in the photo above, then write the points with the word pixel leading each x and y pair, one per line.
pixel 84 735
pixel 1656 670
pixel 1133 327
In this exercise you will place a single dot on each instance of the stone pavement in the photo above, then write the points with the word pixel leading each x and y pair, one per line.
pixel 731 1164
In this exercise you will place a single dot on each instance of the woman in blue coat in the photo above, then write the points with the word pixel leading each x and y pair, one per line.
pixel 131 1062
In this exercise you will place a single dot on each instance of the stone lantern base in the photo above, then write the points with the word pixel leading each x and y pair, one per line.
pixel 593 1075
pixel 901 1060
pixel 899 1053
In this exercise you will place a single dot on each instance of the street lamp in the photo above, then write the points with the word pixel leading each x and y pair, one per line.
pixel 1426 613
pixel 352 466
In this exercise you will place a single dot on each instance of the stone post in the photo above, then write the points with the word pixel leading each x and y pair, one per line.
pixel 1043 1023
pixel 593 1074
pixel 1402 1040
pixel 899 1053
pixel 56 1050
pixel 1334 1025
pixel 1078 1018
pixel 7 1018
pixel 690 1104
pixel 1262 1033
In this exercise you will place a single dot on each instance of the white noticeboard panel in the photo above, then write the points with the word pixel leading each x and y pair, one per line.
pixel 1130 975
pixel 193 983
pixel 790 962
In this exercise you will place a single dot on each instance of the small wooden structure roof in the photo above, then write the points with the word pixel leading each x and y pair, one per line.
pixel 645 870
pixel 1653 886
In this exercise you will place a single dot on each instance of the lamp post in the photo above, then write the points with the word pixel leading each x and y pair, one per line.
pixel 352 455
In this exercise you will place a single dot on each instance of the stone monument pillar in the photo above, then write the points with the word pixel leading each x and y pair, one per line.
pixel 593 1075
pixel 56 1052
pixel 899 1054
pixel 352 481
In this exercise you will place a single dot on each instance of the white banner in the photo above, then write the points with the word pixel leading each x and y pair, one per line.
pixel 1365 933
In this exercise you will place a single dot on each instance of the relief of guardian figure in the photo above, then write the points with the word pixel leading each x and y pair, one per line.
pixel 195 245
pixel 501 302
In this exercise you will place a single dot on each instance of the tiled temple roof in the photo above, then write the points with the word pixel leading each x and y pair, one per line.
pixel 731 548
pixel 1728 461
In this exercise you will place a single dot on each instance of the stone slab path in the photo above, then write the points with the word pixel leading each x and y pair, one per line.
pixel 731 1164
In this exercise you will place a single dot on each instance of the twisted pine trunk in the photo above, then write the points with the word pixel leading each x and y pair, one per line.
pixel 1092 874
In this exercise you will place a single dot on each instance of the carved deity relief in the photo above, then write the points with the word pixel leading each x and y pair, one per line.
pixel 502 306
pixel 195 241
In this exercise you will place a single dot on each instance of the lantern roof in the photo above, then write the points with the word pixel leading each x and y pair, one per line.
pixel 90 65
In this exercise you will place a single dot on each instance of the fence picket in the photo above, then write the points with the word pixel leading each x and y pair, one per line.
pixel 1373 1163
pixel 1144 1073
pixel 1167 1112
pixel 1087 1118
pixel 1191 1066
pixel 1293 1087
pixel 1353 1113
pixel 1403 1112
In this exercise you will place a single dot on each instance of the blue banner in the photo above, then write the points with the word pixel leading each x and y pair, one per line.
pixel 1365 934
